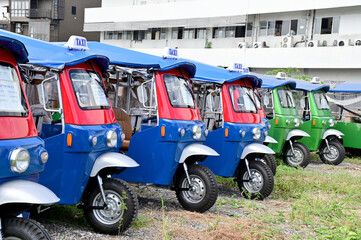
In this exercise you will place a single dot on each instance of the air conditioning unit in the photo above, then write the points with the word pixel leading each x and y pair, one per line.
pixel 259 44
pixel 341 43
pixel 242 45
pixel 312 43
pixel 357 42
pixel 287 42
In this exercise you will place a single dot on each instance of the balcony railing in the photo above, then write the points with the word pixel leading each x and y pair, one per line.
pixel 40 13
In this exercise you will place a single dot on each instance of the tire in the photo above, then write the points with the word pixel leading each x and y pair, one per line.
pixel 262 184
pixel 205 193
pixel 24 229
pixel 120 197
pixel 271 162
pixel 337 154
pixel 302 155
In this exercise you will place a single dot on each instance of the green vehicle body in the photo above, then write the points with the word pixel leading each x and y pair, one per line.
pixel 352 132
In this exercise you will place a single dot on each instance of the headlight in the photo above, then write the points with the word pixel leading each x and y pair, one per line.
pixel 331 122
pixel 19 160
pixel 297 122
pixel 256 133
pixel 112 138
pixel 44 156
pixel 197 132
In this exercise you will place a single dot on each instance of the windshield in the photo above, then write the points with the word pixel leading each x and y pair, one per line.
pixel 12 100
pixel 321 101
pixel 255 97
pixel 242 99
pixel 286 99
pixel 89 90
pixel 179 92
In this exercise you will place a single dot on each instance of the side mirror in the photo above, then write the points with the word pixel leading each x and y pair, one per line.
pixel 303 103
pixel 44 98
pixel 142 93
pixel 266 100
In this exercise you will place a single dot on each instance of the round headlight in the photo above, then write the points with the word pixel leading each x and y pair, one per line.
pixel 197 132
pixel 332 123
pixel 256 133
pixel 297 122
pixel 44 156
pixel 112 138
pixel 19 160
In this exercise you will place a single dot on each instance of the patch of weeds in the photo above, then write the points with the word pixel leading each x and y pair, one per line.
pixel 353 160
pixel 230 182
pixel 141 222
pixel 165 233
pixel 212 226
pixel 232 202
pixel 233 215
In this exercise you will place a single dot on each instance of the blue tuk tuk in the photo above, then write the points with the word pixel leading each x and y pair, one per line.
pixel 76 121
pixel 229 108
pixel 165 129
pixel 22 152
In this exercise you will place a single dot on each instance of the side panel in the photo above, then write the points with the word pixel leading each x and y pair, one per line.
pixel 352 132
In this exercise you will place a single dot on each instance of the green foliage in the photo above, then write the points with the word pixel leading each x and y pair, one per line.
pixel 290 72
pixel 141 222
pixel 208 44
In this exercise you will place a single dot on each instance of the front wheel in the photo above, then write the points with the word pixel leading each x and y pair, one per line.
pixel 121 209
pixel 299 157
pixel 203 191
pixel 335 155
pixel 23 229
pixel 260 184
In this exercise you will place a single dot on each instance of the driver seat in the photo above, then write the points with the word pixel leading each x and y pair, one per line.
pixel 124 121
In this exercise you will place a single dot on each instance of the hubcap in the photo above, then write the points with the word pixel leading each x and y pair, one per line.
pixel 114 210
pixel 198 189
pixel 331 155
pixel 297 157
pixel 255 183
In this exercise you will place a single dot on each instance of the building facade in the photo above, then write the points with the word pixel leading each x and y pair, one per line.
pixel 321 38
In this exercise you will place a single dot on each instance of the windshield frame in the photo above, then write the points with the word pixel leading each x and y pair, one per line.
pixel 23 101
pixel 290 94
pixel 99 107
pixel 324 97
pixel 247 94
pixel 187 87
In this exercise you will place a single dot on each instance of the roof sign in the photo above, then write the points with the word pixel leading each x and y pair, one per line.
pixel 171 53
pixel 238 67
pixel 315 80
pixel 281 75
pixel 77 43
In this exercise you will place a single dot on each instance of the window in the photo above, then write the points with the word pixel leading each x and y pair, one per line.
pixel 174 33
pixel 293 27
pixel 267 99
pixel 249 29
pixel 163 33
pixel 327 25
pixel 73 10
pixel 89 90
pixel 19 8
pixel 158 33
pixel 39 30
pixel 263 28
pixel 230 32
pixel 240 31
pixel 242 100
pixel 4 26
pixel 218 32
pixel 179 92
pixel 286 98
pixel 321 101
pixel 12 100
pixel 138 35
pixel 201 33
pixel 303 106
pixel 189 33
pixel 301 26
pixel 285 28
pixel 271 28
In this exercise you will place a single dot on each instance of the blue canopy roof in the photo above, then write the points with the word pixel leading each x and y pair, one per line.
pixel 16 47
pixel 347 87
pixel 271 82
pixel 214 74
pixel 304 85
pixel 129 58
pixel 53 56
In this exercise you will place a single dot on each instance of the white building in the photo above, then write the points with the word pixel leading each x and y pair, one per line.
pixel 320 37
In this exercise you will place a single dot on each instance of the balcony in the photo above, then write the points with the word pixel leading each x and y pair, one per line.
pixel 40 13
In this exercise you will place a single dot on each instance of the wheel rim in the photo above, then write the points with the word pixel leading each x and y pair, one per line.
pixel 297 158
pixel 12 238
pixel 115 207
pixel 255 183
pixel 331 155
pixel 198 189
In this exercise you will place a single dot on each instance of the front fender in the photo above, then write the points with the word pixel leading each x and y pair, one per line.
pixel 196 149
pixel 256 148
pixel 270 140
pixel 21 191
pixel 296 133
pixel 112 159
pixel 332 132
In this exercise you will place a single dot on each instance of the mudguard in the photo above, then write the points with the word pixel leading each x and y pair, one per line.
pixel 332 132
pixel 22 191
pixel 256 148
pixel 270 140
pixel 112 159
pixel 196 149
pixel 296 133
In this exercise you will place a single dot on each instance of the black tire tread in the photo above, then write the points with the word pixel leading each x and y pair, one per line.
pixel 271 162
pixel 341 149
pixel 27 229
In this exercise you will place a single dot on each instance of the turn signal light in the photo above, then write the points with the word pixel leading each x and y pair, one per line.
pixel 314 122
pixel 276 121
pixel 69 139
pixel 226 132
pixel 162 131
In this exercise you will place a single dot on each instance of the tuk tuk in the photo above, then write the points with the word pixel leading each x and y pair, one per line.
pixel 166 131
pixel 285 123
pixel 229 108
pixel 345 105
pixel 22 152
pixel 76 121
pixel 318 121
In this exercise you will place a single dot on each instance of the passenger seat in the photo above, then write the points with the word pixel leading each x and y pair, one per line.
pixel 124 120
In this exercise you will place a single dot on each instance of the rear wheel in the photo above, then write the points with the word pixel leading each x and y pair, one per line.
pixel 270 160
pixel 260 184
pixel 121 210
pixel 299 157
pixel 335 155
pixel 203 191
pixel 23 229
